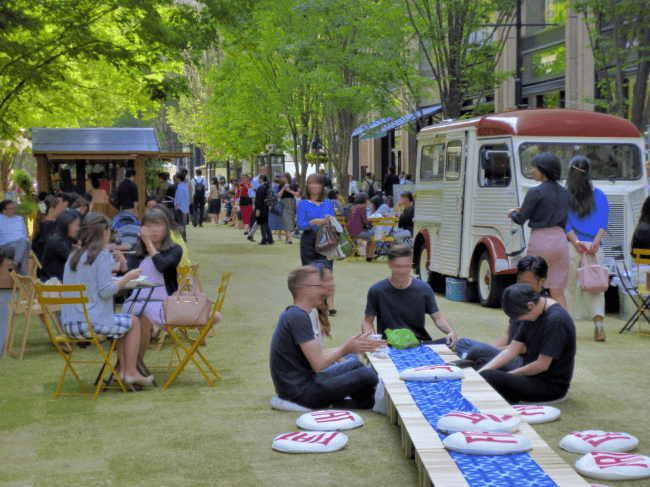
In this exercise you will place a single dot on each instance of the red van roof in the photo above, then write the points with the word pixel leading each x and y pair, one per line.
pixel 545 122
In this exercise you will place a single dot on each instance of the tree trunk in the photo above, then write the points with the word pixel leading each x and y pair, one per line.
pixel 641 85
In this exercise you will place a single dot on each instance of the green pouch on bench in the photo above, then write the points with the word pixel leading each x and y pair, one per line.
pixel 401 338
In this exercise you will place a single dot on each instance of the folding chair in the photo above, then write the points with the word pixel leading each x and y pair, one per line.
pixel 34 265
pixel 23 302
pixel 204 329
pixel 43 292
pixel 355 248
pixel 642 257
pixel 629 287
pixel 385 240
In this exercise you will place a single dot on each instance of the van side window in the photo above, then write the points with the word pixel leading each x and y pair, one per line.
pixel 498 174
pixel 432 165
pixel 454 158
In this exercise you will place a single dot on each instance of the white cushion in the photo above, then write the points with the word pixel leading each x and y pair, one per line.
pixel 614 466
pixel 310 442
pixel 597 485
pixel 596 440
pixel 537 414
pixel 432 373
pixel 329 420
pixel 548 403
pixel 282 405
pixel 462 421
pixel 486 443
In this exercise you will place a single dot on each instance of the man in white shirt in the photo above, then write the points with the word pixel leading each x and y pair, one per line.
pixel 402 177
pixel 14 243
pixel 353 188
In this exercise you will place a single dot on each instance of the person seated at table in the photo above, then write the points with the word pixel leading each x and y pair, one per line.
pixel 403 302
pixel 157 256
pixel 333 197
pixel 378 208
pixel 348 207
pixel 358 222
pixel 48 211
pixel 59 246
pixel 151 201
pixel 404 214
pixel 90 265
pixel 531 270
pixel 549 335
pixel 81 206
pixel 14 243
pixel 177 235
pixel 298 359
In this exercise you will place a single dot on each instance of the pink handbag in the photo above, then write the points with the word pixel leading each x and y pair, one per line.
pixel 187 308
pixel 593 278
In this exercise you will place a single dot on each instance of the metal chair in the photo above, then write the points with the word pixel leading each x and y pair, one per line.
pixel 642 257
pixel 355 248
pixel 47 303
pixel 628 285
pixel 204 329
pixel 384 240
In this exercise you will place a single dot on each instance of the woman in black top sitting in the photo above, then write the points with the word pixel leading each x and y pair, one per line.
pixel 49 210
pixel 641 235
pixel 546 208
pixel 158 257
pixel 59 246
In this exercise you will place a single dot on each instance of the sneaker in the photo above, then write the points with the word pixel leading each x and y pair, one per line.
pixel 250 238
pixel 599 334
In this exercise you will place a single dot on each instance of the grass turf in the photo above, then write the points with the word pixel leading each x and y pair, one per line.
pixel 193 434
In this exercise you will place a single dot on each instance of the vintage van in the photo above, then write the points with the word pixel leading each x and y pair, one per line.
pixel 471 172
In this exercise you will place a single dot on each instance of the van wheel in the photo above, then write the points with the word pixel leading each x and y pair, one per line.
pixel 421 265
pixel 489 286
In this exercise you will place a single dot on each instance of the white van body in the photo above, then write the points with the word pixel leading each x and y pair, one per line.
pixel 461 224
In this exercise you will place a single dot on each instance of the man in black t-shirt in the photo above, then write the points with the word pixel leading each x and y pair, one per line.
pixel 403 302
pixel 549 335
pixel 127 193
pixel 389 180
pixel 299 363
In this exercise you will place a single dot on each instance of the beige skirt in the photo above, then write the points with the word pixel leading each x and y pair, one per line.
pixel 551 244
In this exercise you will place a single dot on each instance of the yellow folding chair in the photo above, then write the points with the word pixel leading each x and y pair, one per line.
pixel 204 329
pixel 23 302
pixel 33 264
pixel 355 248
pixel 386 226
pixel 47 303
pixel 642 257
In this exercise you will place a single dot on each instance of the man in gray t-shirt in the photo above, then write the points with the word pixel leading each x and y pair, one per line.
pixel 298 360
pixel 403 302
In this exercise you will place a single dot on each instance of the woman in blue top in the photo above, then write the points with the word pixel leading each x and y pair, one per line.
pixel 312 212
pixel 588 219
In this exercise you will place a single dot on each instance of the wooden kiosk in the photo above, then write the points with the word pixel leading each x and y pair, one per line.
pixel 111 147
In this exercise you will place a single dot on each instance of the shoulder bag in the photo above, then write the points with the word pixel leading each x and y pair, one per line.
pixel 326 238
pixel 187 306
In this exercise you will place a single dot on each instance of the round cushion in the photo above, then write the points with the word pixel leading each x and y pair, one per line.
pixel 614 466
pixel 597 485
pixel 596 440
pixel 486 443
pixel 329 420
pixel 282 405
pixel 310 442
pixel 537 414
pixel 432 373
pixel 462 421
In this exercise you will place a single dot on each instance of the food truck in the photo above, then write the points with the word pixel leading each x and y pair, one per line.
pixel 471 172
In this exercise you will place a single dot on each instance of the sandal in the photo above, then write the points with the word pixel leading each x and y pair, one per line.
pixel 332 312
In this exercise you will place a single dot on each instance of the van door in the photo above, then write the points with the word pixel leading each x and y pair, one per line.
pixel 495 193
pixel 452 206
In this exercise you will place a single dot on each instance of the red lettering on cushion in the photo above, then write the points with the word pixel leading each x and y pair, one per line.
pixel 484 436
pixel 608 460
pixel 476 418
pixel 330 416
pixel 595 440
pixel 434 367
pixel 323 438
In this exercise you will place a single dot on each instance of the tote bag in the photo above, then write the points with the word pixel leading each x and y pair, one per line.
pixel 593 278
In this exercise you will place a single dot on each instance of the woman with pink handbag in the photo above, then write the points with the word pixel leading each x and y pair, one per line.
pixel 588 219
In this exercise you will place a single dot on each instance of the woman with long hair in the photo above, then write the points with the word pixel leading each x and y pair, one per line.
pixel 588 219
pixel 314 210
pixel 49 210
pixel 641 234
pixel 245 201
pixel 288 192
pixel 90 265
pixel 59 246
pixel 214 200
pixel 176 232
pixel 275 215
pixel 546 209
pixel 157 256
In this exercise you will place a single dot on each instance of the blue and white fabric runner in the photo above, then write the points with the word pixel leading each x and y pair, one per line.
pixel 435 399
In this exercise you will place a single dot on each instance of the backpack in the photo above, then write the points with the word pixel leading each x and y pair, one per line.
pixel 371 190
pixel 271 198
pixel 199 187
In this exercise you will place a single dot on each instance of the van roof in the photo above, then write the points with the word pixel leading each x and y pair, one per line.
pixel 543 122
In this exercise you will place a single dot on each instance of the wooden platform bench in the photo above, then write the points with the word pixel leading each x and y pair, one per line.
pixel 420 441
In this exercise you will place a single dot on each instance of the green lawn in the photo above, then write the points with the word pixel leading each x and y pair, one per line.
pixel 193 434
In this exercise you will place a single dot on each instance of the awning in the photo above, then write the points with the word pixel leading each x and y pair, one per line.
pixel 378 128
pixel 141 141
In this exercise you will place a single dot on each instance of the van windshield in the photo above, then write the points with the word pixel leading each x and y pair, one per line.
pixel 608 161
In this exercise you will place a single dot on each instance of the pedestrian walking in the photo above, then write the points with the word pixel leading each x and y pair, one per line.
pixel 588 219
pixel 200 187
pixel 275 213
pixel 245 201
pixel 214 201
pixel 288 192
pixel 181 202
pixel 313 211
pixel 546 209
pixel 262 210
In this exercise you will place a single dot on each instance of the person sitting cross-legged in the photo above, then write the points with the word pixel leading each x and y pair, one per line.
pixel 403 302
pixel 298 359
pixel 531 270
pixel 549 335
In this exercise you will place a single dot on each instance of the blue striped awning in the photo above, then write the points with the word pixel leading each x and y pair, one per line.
pixel 378 128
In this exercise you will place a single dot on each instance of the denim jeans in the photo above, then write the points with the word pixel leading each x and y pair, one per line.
pixel 482 353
